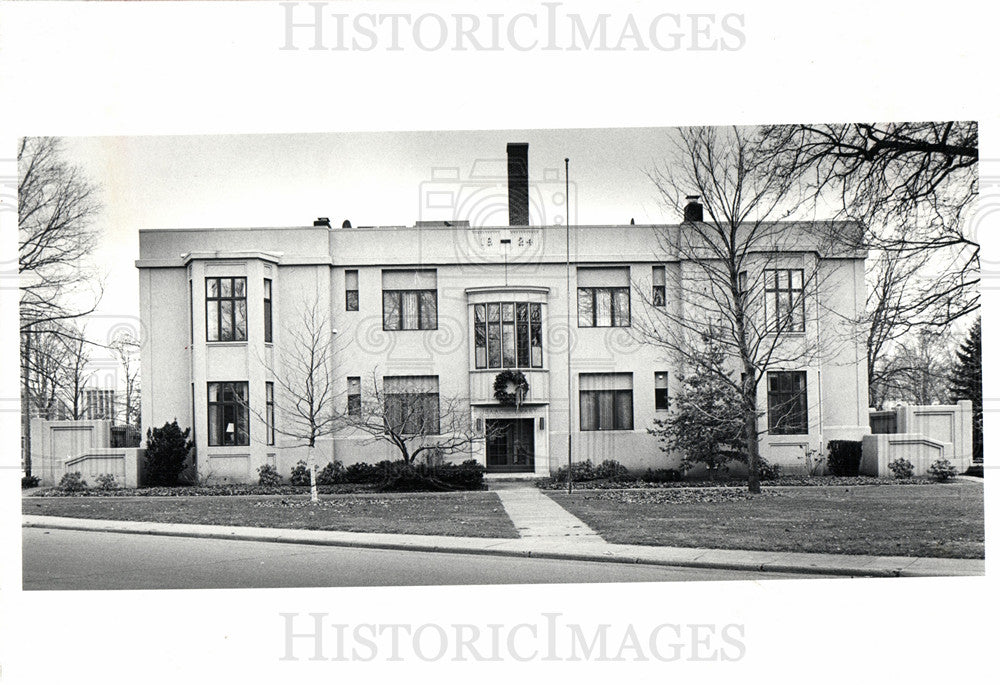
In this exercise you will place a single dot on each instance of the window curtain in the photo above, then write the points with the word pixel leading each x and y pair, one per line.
pixel 411 310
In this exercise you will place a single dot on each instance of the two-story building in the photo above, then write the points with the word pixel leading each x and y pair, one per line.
pixel 439 309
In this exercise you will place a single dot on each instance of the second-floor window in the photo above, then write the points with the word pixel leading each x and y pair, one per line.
pixel 659 286
pixel 603 296
pixel 508 335
pixel 351 299
pixel 412 405
pixel 409 299
pixel 268 333
pixel 226 309
pixel 228 414
pixel 603 307
pixel 784 303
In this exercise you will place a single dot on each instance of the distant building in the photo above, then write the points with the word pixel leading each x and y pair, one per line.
pixel 98 403
pixel 441 309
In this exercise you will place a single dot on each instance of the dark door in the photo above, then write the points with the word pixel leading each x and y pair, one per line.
pixel 510 444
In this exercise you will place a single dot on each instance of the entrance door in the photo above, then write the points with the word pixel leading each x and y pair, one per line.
pixel 510 445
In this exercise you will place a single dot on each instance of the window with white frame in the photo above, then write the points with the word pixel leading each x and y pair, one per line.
pixel 508 335
pixel 226 309
pixel 787 406
pixel 351 290
pixel 412 404
pixel 784 301
pixel 659 286
pixel 605 401
pixel 603 297
pixel 268 332
pixel 354 396
pixel 660 396
pixel 228 414
pixel 409 299
pixel 269 416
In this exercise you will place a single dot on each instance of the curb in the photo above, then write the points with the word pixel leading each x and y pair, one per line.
pixel 107 526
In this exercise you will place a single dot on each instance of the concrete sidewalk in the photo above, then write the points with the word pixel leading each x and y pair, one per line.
pixel 536 516
pixel 582 547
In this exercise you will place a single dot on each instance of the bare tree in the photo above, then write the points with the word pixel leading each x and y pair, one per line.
pixel 43 363
pixel 894 306
pixel 126 348
pixel 415 419
pixel 306 392
pixel 56 364
pixel 305 405
pixel 743 273
pixel 917 369
pixel 57 207
pixel 77 374
pixel 911 184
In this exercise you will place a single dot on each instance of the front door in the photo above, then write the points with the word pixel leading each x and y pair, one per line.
pixel 510 445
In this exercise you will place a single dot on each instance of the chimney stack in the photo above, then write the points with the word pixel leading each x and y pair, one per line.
pixel 693 210
pixel 517 184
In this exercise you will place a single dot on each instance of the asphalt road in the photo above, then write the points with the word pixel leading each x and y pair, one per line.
pixel 85 560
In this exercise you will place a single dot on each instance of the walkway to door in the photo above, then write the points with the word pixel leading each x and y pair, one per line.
pixel 537 516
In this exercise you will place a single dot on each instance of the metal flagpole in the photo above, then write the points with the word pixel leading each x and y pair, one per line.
pixel 569 351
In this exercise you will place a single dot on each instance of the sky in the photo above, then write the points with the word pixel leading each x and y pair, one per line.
pixel 368 178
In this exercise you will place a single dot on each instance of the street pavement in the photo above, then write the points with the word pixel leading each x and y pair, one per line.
pixel 61 559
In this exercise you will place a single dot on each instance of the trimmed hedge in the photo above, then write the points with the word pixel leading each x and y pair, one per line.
pixel 845 457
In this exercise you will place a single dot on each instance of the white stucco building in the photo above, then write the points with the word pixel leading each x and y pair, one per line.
pixel 441 308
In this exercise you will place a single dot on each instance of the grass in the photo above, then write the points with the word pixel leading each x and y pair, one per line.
pixel 944 520
pixel 471 514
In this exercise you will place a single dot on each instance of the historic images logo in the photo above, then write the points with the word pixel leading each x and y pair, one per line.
pixel 315 637
pixel 319 26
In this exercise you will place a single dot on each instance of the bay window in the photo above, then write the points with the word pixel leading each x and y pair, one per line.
pixel 226 309
pixel 228 414
pixel 508 335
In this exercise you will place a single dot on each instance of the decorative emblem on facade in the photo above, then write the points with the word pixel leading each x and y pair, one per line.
pixel 510 387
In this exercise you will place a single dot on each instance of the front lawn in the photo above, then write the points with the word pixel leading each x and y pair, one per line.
pixel 941 520
pixel 470 514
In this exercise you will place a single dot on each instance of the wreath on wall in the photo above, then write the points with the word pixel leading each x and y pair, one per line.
pixel 510 387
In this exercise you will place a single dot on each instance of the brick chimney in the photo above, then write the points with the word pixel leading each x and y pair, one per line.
pixel 517 184
pixel 693 211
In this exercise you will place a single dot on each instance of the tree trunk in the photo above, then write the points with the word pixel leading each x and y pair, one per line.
pixel 753 450
pixel 313 492
pixel 26 404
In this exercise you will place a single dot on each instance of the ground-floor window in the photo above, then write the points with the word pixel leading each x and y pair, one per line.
pixel 660 391
pixel 605 401
pixel 228 414
pixel 270 412
pixel 412 405
pixel 354 396
pixel 787 409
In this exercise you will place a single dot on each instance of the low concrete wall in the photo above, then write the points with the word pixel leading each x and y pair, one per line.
pixel 878 450
pixel 55 442
pixel 924 434
pixel 61 447
pixel 943 422
pixel 122 462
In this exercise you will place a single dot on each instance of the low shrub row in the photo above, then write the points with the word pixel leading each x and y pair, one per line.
pixel 385 475
pixel 613 472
